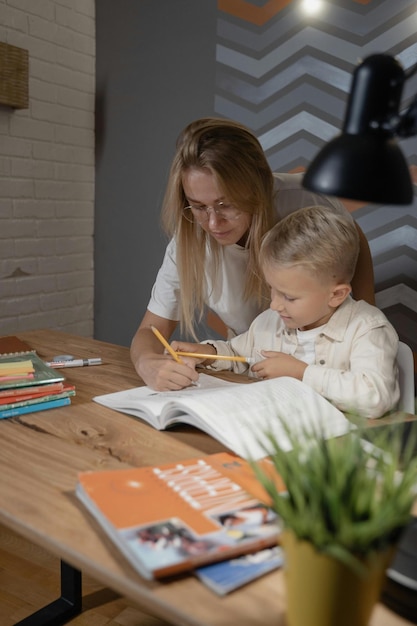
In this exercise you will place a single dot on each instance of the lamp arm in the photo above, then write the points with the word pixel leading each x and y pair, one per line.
pixel 407 122
pixel 409 73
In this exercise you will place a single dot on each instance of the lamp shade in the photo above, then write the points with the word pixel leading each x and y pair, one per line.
pixel 367 167
pixel 365 162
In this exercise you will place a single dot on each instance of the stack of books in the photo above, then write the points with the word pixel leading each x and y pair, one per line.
pixel 27 384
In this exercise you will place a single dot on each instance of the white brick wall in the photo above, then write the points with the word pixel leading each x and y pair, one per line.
pixel 47 170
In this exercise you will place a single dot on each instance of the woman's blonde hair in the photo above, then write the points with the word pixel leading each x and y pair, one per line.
pixel 315 237
pixel 234 156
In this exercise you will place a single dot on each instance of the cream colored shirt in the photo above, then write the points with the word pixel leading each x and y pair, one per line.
pixel 355 356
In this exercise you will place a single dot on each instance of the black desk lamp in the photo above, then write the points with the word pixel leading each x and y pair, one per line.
pixel 365 162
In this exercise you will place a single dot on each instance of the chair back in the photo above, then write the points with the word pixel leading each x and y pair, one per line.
pixel 405 362
pixel 363 281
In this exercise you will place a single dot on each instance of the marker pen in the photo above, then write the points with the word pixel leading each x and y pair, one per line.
pixel 75 362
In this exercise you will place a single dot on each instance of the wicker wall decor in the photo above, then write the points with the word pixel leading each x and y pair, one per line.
pixel 14 76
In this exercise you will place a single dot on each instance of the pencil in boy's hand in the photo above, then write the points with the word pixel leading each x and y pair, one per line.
pixel 198 355
pixel 165 344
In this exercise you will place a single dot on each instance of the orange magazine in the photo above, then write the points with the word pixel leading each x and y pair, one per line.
pixel 175 517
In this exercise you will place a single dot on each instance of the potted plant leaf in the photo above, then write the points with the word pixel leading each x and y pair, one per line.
pixel 345 508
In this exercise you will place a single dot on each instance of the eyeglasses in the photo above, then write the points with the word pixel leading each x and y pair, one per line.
pixel 201 213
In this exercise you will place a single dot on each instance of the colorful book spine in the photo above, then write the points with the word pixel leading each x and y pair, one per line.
pixel 41 406
pixel 35 400
pixel 48 388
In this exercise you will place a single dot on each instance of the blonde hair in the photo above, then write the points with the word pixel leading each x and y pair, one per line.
pixel 234 156
pixel 325 243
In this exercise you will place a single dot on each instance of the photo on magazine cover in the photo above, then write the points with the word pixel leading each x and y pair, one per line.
pixel 170 541
pixel 250 521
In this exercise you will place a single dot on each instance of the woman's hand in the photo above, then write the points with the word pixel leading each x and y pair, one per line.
pixel 162 373
pixel 157 369
pixel 278 364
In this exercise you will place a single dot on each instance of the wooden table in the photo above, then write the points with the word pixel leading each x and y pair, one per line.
pixel 41 456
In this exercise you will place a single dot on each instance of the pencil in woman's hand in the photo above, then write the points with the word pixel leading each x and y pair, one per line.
pixel 166 344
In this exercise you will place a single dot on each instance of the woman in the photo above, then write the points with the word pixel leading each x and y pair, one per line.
pixel 221 198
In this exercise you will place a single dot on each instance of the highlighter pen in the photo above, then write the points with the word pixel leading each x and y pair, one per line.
pixel 75 362
pixel 197 355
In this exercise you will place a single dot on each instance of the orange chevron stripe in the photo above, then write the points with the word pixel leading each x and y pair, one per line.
pixel 258 15
pixel 251 13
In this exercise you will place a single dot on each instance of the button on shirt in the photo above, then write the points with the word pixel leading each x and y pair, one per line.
pixel 305 346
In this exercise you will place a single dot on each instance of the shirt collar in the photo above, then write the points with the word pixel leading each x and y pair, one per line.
pixel 336 326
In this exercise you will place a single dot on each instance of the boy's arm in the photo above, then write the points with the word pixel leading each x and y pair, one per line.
pixel 197 348
pixel 369 385
pixel 237 346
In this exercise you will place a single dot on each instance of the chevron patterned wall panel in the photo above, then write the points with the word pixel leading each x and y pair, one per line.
pixel 287 75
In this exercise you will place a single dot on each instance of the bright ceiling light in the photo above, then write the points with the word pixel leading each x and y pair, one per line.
pixel 311 7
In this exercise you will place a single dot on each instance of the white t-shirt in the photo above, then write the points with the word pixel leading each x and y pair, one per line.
pixel 306 344
pixel 226 297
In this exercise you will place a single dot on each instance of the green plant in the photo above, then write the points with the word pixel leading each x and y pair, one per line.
pixel 344 495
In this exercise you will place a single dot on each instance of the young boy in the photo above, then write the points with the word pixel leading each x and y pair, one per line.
pixel 314 331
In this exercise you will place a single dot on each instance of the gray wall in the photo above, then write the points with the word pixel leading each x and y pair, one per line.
pixel 155 73
pixel 284 74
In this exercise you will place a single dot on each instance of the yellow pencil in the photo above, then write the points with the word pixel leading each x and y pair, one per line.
pixel 166 344
pixel 197 355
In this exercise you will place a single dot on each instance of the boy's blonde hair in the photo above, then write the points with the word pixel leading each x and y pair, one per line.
pixel 323 242
pixel 234 156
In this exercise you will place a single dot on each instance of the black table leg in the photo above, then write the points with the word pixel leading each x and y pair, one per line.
pixel 64 608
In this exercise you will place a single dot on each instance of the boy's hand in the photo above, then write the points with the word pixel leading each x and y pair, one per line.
pixel 278 364
pixel 200 348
